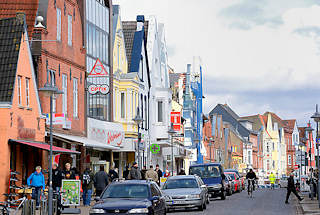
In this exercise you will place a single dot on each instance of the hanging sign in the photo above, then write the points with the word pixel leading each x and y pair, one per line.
pixel 98 72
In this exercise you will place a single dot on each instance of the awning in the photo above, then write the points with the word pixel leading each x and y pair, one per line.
pixel 43 146
pixel 87 142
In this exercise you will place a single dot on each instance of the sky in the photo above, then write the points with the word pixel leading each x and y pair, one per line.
pixel 257 55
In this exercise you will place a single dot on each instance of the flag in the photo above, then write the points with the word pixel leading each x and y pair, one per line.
pixel 55 159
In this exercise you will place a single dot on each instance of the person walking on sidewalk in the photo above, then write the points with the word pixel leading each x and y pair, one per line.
pixel 87 182
pixel 68 173
pixel 134 173
pixel 36 180
pixel 272 180
pixel 292 188
pixel 56 177
pixel 159 171
pixel 100 180
pixel 152 174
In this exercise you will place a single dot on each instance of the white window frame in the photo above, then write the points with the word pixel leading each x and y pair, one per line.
pixel 75 97
pixel 162 115
pixel 122 105
pixel 28 92
pixel 58 24
pixel 19 91
pixel 69 30
pixel 65 94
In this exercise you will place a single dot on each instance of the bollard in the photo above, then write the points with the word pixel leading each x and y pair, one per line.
pixel 54 207
pixel 43 207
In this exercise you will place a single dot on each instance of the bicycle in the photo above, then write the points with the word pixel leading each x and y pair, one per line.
pixel 250 187
pixel 12 206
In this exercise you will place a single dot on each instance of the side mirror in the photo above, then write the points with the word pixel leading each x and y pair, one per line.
pixel 203 186
pixel 97 198
pixel 155 198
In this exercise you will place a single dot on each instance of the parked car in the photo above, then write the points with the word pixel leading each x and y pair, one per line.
pixel 132 196
pixel 185 191
pixel 283 183
pixel 235 179
pixel 213 176
pixel 242 179
pixel 230 185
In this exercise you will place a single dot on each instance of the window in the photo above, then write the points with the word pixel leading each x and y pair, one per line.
pixel 289 160
pixel 160 111
pixel 249 157
pixel 123 108
pixel 54 106
pixel 58 24
pixel 75 97
pixel 268 164
pixel 141 102
pixel 19 90
pixel 146 112
pixel 69 30
pixel 28 92
pixel 65 94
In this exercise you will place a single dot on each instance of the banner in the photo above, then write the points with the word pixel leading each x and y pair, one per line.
pixel 70 193
pixel 55 159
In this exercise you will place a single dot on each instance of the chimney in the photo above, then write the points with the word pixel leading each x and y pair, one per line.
pixel 140 22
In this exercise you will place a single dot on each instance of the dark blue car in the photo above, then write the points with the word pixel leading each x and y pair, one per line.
pixel 213 176
pixel 130 197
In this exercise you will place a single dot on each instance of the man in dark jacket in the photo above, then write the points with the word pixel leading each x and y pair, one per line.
pixel 134 173
pixel 291 188
pixel 56 177
pixel 143 173
pixel 159 171
pixel 87 182
pixel 68 173
pixel 100 181
pixel 126 172
pixel 251 175
pixel 113 174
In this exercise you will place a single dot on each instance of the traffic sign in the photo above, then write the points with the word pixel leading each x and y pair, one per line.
pixel 154 148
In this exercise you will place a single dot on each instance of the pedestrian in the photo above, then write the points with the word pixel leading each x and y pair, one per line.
pixel 291 188
pixel 152 174
pixel 68 173
pixel 182 172
pixel 113 174
pixel 100 180
pixel 166 174
pixel 36 181
pixel 87 182
pixel 159 171
pixel 272 180
pixel 134 173
pixel 56 177
pixel 143 173
pixel 126 172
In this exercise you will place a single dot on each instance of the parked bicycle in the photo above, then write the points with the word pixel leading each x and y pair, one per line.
pixel 12 206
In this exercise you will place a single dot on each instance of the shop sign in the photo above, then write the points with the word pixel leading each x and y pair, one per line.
pixel 70 193
pixel 98 72
pixel 176 120
pixel 57 119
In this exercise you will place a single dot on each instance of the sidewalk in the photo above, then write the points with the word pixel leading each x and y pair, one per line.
pixel 309 206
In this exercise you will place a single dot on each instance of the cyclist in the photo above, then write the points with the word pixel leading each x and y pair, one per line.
pixel 36 180
pixel 251 175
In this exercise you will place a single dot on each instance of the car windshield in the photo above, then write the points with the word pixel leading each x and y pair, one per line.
pixel 126 191
pixel 231 176
pixel 180 183
pixel 205 171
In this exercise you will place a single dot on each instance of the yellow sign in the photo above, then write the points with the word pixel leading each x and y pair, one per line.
pixel 162 180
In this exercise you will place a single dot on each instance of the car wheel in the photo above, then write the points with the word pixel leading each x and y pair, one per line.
pixel 223 195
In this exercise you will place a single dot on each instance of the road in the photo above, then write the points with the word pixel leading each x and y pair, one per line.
pixel 267 202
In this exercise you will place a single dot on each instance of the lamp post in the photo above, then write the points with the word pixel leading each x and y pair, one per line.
pixel 50 90
pixel 210 146
pixel 300 169
pixel 316 117
pixel 171 132
pixel 138 120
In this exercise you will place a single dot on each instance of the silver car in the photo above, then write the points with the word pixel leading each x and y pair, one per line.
pixel 185 191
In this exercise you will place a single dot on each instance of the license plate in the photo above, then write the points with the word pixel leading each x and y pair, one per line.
pixel 178 202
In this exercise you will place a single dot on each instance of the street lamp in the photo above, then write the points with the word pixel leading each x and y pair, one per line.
pixel 138 120
pixel 301 144
pixel 210 146
pixel 171 132
pixel 316 117
pixel 50 90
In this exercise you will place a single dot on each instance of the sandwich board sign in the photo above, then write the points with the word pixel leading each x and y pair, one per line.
pixel 98 79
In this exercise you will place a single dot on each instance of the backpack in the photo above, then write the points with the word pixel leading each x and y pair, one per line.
pixel 86 179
